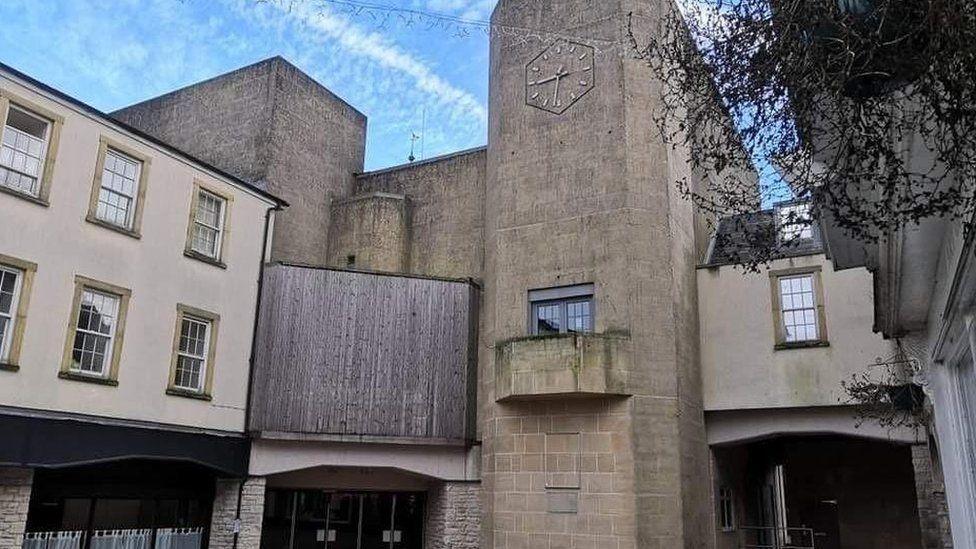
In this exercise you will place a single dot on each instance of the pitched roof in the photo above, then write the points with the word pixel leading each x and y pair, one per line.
pixel 755 237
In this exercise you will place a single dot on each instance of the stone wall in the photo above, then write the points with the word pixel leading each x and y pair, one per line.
pixel 453 516
pixel 272 125
pixel 225 514
pixel 562 474
pixel 933 514
pixel 447 211
pixel 15 493
pixel 371 231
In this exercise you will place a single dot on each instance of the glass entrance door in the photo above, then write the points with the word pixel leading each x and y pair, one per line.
pixel 408 522
pixel 377 512
pixel 345 522
pixel 315 519
pixel 393 522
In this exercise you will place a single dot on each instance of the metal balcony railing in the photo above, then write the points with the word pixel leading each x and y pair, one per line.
pixel 142 538
pixel 53 540
pixel 770 537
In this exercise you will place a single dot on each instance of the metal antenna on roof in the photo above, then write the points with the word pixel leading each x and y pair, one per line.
pixel 413 140
pixel 423 136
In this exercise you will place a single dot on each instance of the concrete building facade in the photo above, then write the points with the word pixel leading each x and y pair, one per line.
pixel 535 344
pixel 273 125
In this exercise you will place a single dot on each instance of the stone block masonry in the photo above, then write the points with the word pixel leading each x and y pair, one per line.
pixel 453 516
pixel 274 126
pixel 933 513
pixel 225 514
pixel 15 492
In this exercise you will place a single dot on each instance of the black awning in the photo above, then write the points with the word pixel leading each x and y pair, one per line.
pixel 47 442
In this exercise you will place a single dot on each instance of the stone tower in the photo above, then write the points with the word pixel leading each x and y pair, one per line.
pixel 589 440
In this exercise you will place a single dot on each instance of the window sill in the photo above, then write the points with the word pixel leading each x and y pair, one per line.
pixel 8 367
pixel 105 224
pixel 184 393
pixel 71 376
pixel 24 196
pixel 205 258
pixel 801 345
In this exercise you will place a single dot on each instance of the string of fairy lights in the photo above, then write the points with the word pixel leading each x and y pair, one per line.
pixel 385 16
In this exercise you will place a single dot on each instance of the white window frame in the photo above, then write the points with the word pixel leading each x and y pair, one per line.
pixel 45 147
pixel 794 223
pixel 958 438
pixel 204 358
pixel 133 199
pixel 219 229
pixel 818 336
pixel 7 339
pixel 106 367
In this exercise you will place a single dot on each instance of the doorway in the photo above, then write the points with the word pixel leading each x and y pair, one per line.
pixel 318 519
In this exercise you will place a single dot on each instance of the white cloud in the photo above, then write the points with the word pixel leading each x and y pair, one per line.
pixel 112 56
pixel 386 53
pixel 477 10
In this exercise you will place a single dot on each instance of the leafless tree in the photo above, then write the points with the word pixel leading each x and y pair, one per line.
pixel 866 108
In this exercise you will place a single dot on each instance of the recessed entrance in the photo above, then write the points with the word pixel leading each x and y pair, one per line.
pixel 316 519
pixel 818 492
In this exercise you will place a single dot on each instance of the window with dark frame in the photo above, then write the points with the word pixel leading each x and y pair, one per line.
pixel 562 310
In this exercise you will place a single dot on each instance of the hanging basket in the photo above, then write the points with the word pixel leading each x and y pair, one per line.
pixel 907 397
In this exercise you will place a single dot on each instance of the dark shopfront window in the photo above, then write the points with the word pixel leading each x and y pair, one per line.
pixel 314 519
pixel 107 513
pixel 134 495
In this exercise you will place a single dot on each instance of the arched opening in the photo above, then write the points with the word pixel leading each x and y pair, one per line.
pixel 817 491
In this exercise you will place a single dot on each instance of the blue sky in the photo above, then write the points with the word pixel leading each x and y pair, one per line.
pixel 112 53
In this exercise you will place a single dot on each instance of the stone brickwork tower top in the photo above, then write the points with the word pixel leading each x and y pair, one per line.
pixel 273 125
pixel 584 195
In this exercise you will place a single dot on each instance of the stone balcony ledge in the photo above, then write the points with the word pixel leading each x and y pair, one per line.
pixel 563 365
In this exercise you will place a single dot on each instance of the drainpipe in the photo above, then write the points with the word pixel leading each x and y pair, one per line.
pixel 251 364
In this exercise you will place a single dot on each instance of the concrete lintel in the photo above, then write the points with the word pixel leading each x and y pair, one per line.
pixel 741 426
pixel 359 439
pixel 449 463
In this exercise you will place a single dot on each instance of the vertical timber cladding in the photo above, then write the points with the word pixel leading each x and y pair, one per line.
pixel 353 353
pixel 583 194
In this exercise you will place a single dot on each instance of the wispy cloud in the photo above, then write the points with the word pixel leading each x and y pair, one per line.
pixel 114 55
pixel 476 10
pixel 377 47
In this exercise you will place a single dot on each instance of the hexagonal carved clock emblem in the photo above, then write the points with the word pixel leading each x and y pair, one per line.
pixel 560 76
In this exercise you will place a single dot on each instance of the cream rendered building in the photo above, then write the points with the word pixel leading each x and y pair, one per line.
pixel 793 462
pixel 129 288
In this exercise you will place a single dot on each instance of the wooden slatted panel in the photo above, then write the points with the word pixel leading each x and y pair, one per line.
pixel 349 353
